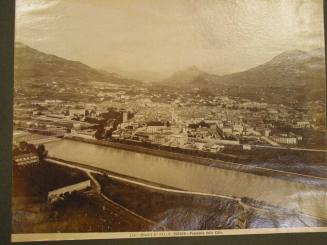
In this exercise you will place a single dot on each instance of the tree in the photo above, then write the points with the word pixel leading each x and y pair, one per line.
pixel 23 146
pixel 99 133
pixel 31 148
pixel 41 152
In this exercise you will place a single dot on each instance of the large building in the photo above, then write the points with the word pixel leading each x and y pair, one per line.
pixel 26 159
pixel 285 139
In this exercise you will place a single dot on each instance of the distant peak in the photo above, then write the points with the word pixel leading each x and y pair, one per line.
pixel 193 68
pixel 294 52
pixel 299 54
pixel 290 55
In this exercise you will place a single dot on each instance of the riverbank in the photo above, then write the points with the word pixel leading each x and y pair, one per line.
pixel 259 169
pixel 173 210
pixel 149 199
pixel 308 199
pixel 178 210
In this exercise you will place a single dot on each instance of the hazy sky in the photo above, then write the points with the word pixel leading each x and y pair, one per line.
pixel 219 36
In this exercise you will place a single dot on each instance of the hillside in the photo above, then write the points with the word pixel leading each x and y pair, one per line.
pixel 291 68
pixel 293 75
pixel 190 76
pixel 33 66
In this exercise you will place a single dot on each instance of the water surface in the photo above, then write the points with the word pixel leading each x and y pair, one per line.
pixel 311 200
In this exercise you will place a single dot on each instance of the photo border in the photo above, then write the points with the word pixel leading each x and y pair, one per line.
pixel 7 23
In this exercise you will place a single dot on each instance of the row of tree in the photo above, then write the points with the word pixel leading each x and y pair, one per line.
pixel 24 147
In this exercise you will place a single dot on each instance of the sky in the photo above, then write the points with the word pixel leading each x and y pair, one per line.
pixel 218 36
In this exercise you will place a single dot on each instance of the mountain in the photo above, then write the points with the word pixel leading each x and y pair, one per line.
pixel 189 76
pixel 33 66
pixel 142 75
pixel 289 69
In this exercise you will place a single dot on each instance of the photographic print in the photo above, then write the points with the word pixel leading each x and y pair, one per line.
pixel 154 118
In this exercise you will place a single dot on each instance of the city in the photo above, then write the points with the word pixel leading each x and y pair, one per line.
pixel 185 120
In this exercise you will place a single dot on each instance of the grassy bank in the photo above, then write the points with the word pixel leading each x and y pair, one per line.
pixel 87 211
pixel 178 211
pixel 173 210
pixel 83 211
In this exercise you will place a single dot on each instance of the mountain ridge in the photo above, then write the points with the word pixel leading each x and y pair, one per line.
pixel 296 73
pixel 290 68
pixel 33 65
pixel 146 76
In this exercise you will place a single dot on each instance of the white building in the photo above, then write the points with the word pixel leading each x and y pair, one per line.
pixel 282 139
pixel 86 134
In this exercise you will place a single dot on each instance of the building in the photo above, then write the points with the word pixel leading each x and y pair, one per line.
pixel 228 142
pixel 252 105
pixel 178 139
pixel 125 116
pixel 302 124
pixel 199 145
pixel 285 139
pixel 26 159
pixel 59 193
pixel 155 126
pixel 247 147
pixel 227 130
pixel 216 148
pixel 86 134
pixel 142 136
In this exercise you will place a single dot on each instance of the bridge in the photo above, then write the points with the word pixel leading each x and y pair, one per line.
pixel 35 138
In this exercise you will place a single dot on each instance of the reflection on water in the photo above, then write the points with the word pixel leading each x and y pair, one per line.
pixel 308 199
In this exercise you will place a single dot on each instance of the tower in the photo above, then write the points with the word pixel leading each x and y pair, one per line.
pixel 125 116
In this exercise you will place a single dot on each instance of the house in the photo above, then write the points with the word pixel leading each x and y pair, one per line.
pixel 86 134
pixel 155 126
pixel 302 124
pixel 289 139
pixel 26 159
pixel 178 139
pixel 142 136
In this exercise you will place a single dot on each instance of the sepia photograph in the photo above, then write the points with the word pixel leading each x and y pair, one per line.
pixel 155 118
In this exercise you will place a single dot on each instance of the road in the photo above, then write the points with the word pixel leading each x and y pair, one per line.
pixel 98 190
pixel 291 148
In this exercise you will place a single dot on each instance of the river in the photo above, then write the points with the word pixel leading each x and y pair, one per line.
pixel 311 200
